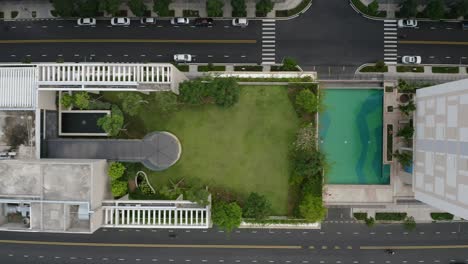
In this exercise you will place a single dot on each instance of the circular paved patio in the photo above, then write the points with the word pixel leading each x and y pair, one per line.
pixel 163 148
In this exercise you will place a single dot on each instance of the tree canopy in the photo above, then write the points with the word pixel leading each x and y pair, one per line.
pixel 312 209
pixel 256 206
pixel 112 124
pixel 226 216
pixel 307 101
pixel 116 170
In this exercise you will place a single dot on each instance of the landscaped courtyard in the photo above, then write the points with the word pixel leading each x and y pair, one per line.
pixel 240 149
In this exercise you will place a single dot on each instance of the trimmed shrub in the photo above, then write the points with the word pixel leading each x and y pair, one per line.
pixel 137 7
pixel 370 222
pixel 442 216
pixel 390 216
pixel 226 216
pixel 119 188
pixel 360 216
pixel 312 209
pixel 67 100
pixel 409 223
pixel 257 207
pixel 263 7
pixel 81 100
pixel 116 170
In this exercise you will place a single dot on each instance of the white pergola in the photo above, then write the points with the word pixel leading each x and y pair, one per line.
pixel 155 214
pixel 103 73
pixel 18 88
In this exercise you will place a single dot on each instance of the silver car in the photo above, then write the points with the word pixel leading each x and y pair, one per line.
pixel 180 21
pixel 411 59
pixel 182 58
pixel 86 21
pixel 407 23
pixel 120 21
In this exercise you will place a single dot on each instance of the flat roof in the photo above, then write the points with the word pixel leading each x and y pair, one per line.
pixel 440 176
pixel 17 88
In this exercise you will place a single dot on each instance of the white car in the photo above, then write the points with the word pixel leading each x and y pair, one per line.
pixel 182 58
pixel 148 20
pixel 407 23
pixel 411 59
pixel 180 21
pixel 86 21
pixel 240 22
pixel 120 21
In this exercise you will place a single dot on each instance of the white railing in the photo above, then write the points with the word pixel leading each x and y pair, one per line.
pixel 157 214
pixel 103 73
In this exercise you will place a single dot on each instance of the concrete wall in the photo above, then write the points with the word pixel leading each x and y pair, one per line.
pixel 100 187
pixel 177 77
pixel 47 100
pixel 96 220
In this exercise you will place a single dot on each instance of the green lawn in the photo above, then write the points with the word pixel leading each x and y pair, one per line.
pixel 243 148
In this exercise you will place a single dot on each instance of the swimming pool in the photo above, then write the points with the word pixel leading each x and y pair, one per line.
pixel 351 136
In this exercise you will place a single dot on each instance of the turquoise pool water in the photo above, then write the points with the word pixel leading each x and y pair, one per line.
pixel 351 136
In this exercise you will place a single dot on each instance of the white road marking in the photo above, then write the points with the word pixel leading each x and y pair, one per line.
pixel 13 55
pixel 13 27
pixel 269 54
pixel 44 26
pixel 268 33
pixel 268 37
pixel 44 55
pixel 268 41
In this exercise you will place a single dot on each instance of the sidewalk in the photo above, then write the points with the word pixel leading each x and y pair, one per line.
pixel 41 9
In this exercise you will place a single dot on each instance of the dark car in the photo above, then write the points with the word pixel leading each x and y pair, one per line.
pixel 465 25
pixel 203 22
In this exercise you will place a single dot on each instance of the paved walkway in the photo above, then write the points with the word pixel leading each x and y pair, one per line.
pixel 43 8
pixel 157 151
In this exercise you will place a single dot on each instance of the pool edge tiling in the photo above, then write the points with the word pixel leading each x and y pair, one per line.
pixel 351 136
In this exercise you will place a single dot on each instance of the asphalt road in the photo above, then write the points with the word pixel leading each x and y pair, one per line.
pixel 135 43
pixel 421 39
pixel 335 243
pixel 330 38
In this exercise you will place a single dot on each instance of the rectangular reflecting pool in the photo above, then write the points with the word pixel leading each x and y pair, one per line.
pixel 351 136
pixel 81 123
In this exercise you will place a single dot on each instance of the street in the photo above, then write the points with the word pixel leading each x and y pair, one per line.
pixel 334 243
pixel 330 38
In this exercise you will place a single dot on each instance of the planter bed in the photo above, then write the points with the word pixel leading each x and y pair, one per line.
pixel 190 13
pixel 248 68
pixel 207 68
pixel 410 69
pixel 445 70
pixel 293 11
pixel 183 68
pixel 442 216
pixel 373 69
pixel 390 216
pixel 389 142
pixel 360 216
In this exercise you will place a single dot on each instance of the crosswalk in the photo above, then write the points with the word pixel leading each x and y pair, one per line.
pixel 390 41
pixel 268 41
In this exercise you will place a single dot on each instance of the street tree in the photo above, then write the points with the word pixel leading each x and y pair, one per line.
pixel 435 9
pixel 110 6
pixel 225 91
pixel 409 223
pixel 161 7
pixel 214 8
pixel 238 8
pixel 264 7
pixel 408 8
pixel 137 7
pixel 87 8
pixel 64 8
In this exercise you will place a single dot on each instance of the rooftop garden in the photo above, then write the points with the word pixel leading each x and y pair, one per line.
pixel 253 147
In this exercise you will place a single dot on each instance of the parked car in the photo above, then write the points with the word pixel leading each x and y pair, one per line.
pixel 182 58
pixel 120 21
pixel 203 22
pixel 464 25
pixel 86 21
pixel 240 22
pixel 148 20
pixel 407 23
pixel 411 59
pixel 180 21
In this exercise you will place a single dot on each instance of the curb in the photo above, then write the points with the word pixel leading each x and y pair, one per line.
pixel 396 18
pixel 168 18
